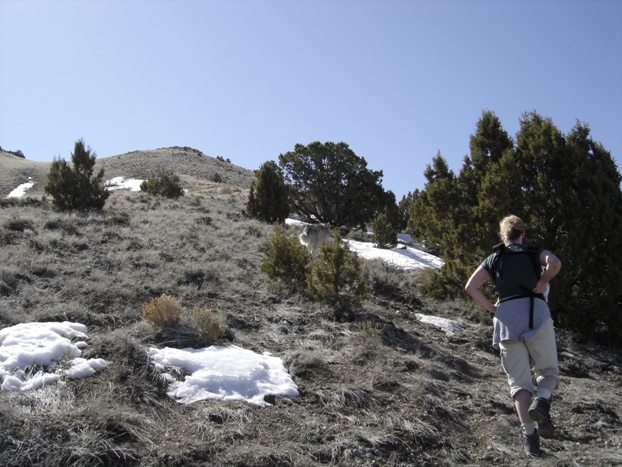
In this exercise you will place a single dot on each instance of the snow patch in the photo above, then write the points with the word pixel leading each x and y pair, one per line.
pixel 21 190
pixel 224 373
pixel 32 355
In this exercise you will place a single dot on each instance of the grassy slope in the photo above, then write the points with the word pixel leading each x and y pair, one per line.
pixel 384 390
pixel 193 167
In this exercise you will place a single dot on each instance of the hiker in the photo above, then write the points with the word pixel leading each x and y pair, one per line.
pixel 523 328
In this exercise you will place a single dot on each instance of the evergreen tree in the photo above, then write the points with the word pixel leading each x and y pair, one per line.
pixel 384 234
pixel 336 278
pixel 391 210
pixel 75 188
pixel 586 230
pixel 480 177
pixel 167 185
pixel 430 213
pixel 572 203
pixel 268 196
pixel 286 259
pixel 565 188
pixel 403 209
pixel 406 209
pixel 543 165
pixel 331 184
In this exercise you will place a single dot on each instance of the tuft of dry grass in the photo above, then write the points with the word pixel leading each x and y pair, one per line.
pixel 162 312
pixel 208 324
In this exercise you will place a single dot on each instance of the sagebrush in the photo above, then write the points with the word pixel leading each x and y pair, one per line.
pixel 208 324
pixel 162 312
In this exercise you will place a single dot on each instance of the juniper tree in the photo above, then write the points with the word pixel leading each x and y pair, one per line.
pixel 574 203
pixel 384 234
pixel 403 209
pixel 268 196
pixel 75 187
pixel 391 210
pixel 335 278
pixel 167 184
pixel 331 184
pixel 430 211
pixel 286 259
pixel 565 188
pixel 479 181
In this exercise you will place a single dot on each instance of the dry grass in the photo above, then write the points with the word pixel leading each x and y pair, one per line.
pixel 162 312
pixel 383 390
pixel 208 324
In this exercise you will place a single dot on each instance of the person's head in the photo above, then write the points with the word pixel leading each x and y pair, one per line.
pixel 511 228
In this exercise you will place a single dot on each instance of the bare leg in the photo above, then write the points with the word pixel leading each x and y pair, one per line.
pixel 522 401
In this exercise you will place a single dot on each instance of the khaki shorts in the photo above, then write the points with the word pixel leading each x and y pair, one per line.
pixel 518 357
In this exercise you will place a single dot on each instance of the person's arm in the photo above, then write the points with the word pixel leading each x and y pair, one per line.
pixel 473 286
pixel 552 266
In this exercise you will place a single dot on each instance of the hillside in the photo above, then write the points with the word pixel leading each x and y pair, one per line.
pixel 15 171
pixel 387 389
pixel 193 167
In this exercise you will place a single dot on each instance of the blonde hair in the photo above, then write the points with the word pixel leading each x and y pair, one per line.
pixel 511 228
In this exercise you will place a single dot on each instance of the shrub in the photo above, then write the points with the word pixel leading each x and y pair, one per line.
pixel 60 224
pixel 335 277
pixel 268 198
pixel 166 184
pixel 118 219
pixel 19 225
pixel 75 188
pixel 8 237
pixel 162 312
pixel 358 235
pixel 436 285
pixel 384 235
pixel 208 324
pixel 286 259
pixel 369 345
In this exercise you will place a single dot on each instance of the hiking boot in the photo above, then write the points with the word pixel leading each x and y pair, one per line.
pixel 531 444
pixel 539 413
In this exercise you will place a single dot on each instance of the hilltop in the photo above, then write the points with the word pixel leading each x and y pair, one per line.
pixel 387 389
pixel 193 167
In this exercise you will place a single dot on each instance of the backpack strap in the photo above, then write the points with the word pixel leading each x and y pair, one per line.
pixel 535 260
pixel 497 264
pixel 532 295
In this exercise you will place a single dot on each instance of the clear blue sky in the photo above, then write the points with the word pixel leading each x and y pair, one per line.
pixel 397 80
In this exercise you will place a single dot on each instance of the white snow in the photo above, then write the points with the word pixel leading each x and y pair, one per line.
pixel 21 190
pixel 117 183
pixel 225 373
pixel 121 183
pixel 402 257
pixel 449 326
pixel 33 355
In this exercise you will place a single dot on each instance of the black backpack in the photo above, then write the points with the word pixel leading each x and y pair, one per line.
pixel 497 271
pixel 501 250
